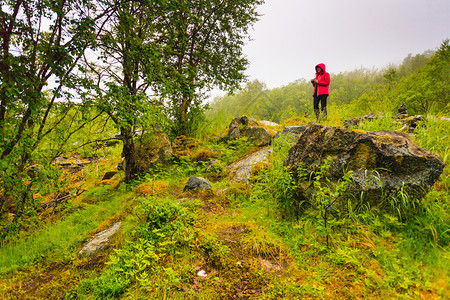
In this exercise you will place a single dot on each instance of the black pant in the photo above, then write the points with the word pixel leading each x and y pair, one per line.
pixel 322 99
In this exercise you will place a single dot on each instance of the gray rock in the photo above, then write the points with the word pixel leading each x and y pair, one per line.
pixel 197 183
pixel 234 129
pixel 268 123
pixel 258 135
pixel 150 149
pixel 290 134
pixel 353 122
pixel 241 171
pixel 382 162
pixel 100 240
pixel 70 163
pixel 293 130
pixel 243 126
pixel 109 175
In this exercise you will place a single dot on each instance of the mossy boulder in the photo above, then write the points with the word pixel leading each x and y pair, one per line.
pixel 151 149
pixel 381 162
pixel 245 127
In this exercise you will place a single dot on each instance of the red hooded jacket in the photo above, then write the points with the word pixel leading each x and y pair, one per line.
pixel 323 81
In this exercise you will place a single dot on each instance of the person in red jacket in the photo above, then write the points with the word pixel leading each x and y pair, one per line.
pixel 321 84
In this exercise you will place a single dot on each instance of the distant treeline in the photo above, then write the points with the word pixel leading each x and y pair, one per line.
pixel 421 81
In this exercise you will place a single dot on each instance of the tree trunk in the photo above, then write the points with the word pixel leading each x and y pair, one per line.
pixel 128 152
pixel 183 116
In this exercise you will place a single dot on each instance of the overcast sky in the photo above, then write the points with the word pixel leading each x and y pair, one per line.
pixel 292 36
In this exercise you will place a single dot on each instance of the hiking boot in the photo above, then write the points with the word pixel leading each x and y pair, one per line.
pixel 324 113
pixel 317 113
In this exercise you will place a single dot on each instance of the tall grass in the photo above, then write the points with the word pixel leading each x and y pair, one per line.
pixel 60 240
pixel 371 253
pixel 434 135
pixel 397 256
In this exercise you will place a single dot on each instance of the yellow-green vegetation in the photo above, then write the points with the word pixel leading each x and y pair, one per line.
pixel 153 188
pixel 249 241
pixel 237 241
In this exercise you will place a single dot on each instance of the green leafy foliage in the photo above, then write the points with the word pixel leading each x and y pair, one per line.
pixel 330 200
pixel 424 91
pixel 202 49
pixel 432 134
pixel 278 184
pixel 265 240
pixel 163 232
pixel 31 114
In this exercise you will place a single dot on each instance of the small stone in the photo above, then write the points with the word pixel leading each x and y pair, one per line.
pixel 109 175
pixel 197 183
pixel 202 273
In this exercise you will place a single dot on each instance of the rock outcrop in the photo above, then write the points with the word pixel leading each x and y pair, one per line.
pixel 243 127
pixel 241 170
pixel 236 126
pixel 382 162
pixel 259 136
pixel 353 122
pixel 71 162
pixel 100 240
pixel 268 123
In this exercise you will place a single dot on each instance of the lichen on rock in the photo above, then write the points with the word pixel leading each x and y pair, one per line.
pixel 381 162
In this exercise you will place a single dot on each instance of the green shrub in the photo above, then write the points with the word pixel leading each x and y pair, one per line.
pixel 164 232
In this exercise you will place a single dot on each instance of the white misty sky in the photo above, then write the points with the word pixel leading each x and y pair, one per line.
pixel 292 36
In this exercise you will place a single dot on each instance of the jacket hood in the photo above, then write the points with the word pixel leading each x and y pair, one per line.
pixel 322 66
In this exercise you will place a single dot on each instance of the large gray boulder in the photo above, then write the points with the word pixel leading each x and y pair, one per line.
pixel 235 128
pixel 382 162
pixel 258 135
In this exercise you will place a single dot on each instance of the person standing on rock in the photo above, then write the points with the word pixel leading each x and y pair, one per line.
pixel 321 84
